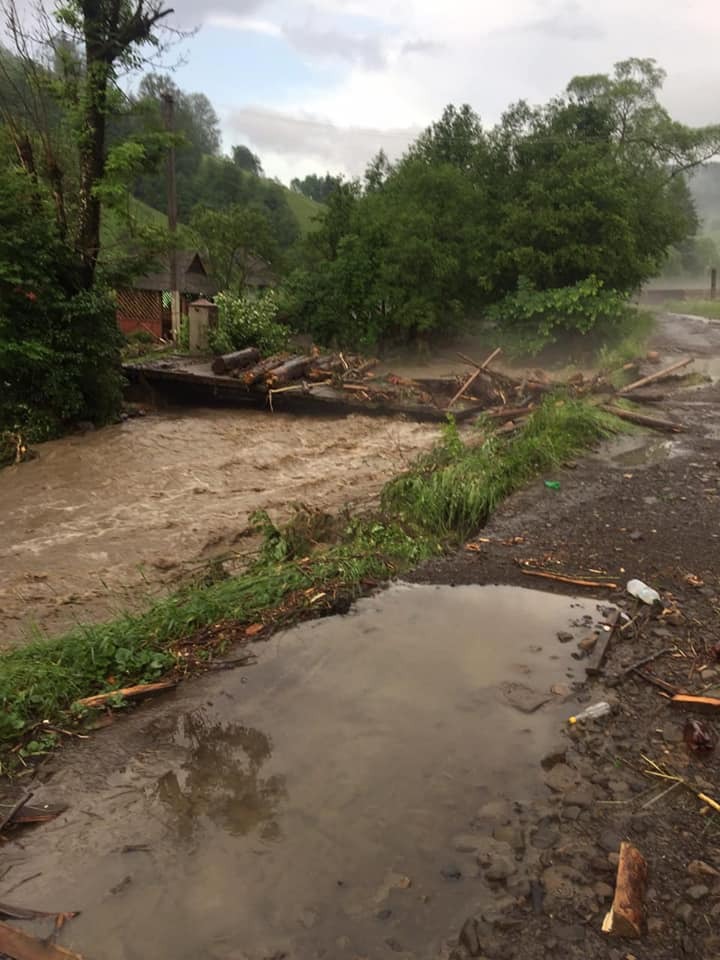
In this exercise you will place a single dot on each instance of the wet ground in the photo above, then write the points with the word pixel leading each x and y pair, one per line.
pixel 104 520
pixel 331 800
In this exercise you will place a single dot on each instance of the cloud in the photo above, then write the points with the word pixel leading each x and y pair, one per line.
pixel 569 22
pixel 310 142
pixel 232 21
pixel 366 49
pixel 422 47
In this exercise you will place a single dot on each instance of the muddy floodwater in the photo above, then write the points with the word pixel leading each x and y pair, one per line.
pixel 102 521
pixel 329 800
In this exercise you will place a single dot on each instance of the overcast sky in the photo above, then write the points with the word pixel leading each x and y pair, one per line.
pixel 315 86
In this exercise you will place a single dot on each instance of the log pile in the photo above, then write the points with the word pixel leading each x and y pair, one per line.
pixel 505 399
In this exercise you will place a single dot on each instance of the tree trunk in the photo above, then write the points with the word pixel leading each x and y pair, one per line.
pixel 92 164
pixel 292 370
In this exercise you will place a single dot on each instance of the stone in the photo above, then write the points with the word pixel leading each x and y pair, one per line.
pixel 569 932
pixel 394 945
pixel 655 925
pixel 684 912
pixel 609 841
pixel 560 689
pixel 451 872
pixel 603 890
pixel 546 835
pixel 583 796
pixel 588 643
pixel 471 937
pixel 698 892
pixel 554 756
pixel 636 535
pixel 561 881
pixel 571 813
pixel 562 778
pixel 565 637
pixel 510 835
pixel 672 733
pixel 524 698
pixel 499 870
pixel 466 842
pixel 709 673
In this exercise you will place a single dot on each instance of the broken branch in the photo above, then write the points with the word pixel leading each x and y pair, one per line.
pixel 573 580
pixel 473 376
pixel 128 693
pixel 656 376
pixel 655 423
pixel 626 917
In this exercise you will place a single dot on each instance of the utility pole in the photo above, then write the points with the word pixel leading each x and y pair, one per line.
pixel 169 116
pixel 713 283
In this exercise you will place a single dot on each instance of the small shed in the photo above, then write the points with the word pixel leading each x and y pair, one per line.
pixel 147 304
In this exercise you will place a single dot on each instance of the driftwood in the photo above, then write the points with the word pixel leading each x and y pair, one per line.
pixel 599 654
pixel 659 375
pixel 473 377
pixel 129 693
pixel 510 383
pixel 612 681
pixel 235 361
pixel 44 814
pixel 561 578
pixel 258 372
pixel 626 917
pixel 709 705
pixel 21 946
pixel 322 366
pixel 642 419
pixel 290 370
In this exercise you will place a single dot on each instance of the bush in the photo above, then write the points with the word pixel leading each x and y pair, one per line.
pixel 243 322
pixel 531 319
pixel 59 344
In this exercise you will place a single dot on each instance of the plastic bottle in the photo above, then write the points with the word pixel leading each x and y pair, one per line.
pixel 592 713
pixel 636 588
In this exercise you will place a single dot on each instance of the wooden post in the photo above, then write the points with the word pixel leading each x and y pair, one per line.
pixel 713 283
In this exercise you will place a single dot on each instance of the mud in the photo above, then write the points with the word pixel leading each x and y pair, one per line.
pixel 332 800
pixel 103 521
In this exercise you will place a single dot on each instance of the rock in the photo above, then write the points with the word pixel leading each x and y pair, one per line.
pixel 709 673
pixel 652 356
pixel 546 835
pixel 510 835
pixel 636 535
pixel 466 842
pixel 672 733
pixel 499 870
pixel 471 936
pixel 698 868
pixel 451 872
pixel 684 912
pixel 562 778
pixel 561 882
pixel 553 757
pixel 698 892
pixel 384 914
pixel 569 933
pixel 560 689
pixel 394 945
pixel 603 890
pixel 609 841
pixel 588 643
pixel 655 926
pixel 621 787
pixel 571 813
pixel 565 637
pixel 524 698
pixel 675 619
pixel 583 796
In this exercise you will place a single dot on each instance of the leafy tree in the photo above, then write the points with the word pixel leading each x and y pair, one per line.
pixel 244 158
pixel 315 187
pixel 228 237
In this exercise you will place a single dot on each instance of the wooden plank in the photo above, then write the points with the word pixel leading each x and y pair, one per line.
pixel 707 705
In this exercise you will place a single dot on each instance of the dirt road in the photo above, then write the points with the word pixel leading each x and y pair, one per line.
pixel 103 521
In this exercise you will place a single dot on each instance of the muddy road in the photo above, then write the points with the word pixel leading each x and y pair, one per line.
pixel 104 521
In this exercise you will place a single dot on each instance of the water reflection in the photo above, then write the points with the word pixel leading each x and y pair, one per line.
pixel 220 779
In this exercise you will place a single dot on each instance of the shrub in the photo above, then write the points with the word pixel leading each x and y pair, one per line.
pixel 531 319
pixel 243 322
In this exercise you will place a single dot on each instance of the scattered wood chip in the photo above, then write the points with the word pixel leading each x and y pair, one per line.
pixel 626 917
pixel 254 629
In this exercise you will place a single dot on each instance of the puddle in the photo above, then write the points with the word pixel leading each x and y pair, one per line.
pixel 637 450
pixel 307 807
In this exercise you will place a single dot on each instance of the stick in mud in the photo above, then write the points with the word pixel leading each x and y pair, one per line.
pixel 575 581
pixel 473 376
pixel 14 809
pixel 641 419
pixel 619 677
pixel 128 693
pixel 22 946
pixel 661 374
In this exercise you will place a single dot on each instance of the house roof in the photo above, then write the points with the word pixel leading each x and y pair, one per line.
pixel 259 272
pixel 191 274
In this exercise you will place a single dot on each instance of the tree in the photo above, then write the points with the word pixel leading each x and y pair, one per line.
pixel 315 187
pixel 245 159
pixel 229 237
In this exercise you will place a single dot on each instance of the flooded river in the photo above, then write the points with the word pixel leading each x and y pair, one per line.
pixel 341 798
pixel 102 521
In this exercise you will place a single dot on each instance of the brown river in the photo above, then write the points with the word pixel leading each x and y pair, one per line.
pixel 103 521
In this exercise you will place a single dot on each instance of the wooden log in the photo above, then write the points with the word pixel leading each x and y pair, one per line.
pixel 129 693
pixel 510 413
pixel 503 378
pixel 659 375
pixel 258 372
pixel 22 946
pixel 473 377
pixel 642 420
pixel 236 360
pixel 626 917
pixel 708 705
pixel 291 370
pixel 575 581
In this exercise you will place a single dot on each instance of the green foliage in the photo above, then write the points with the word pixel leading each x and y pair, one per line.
pixel 452 491
pixel 530 320
pixel 245 322
pixel 59 343
pixel 229 238
pixel 314 187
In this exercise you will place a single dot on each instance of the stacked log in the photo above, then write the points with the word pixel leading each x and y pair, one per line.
pixel 236 360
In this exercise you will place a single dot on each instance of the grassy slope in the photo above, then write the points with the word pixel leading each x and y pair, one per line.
pixel 304 209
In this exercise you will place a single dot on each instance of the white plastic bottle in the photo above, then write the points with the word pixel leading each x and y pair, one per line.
pixel 636 588
pixel 593 712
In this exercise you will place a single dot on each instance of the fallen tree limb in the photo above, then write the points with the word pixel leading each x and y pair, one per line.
pixel 659 375
pixel 236 360
pixel 654 423
pixel 510 413
pixel 256 373
pixel 473 376
pixel 291 370
pixel 507 381
pixel 561 578
pixel 656 682
pixel 8 817
pixel 626 917
pixel 619 677
pixel 708 705
pixel 128 693
pixel 21 946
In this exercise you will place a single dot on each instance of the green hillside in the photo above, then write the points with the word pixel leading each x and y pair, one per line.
pixel 305 209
